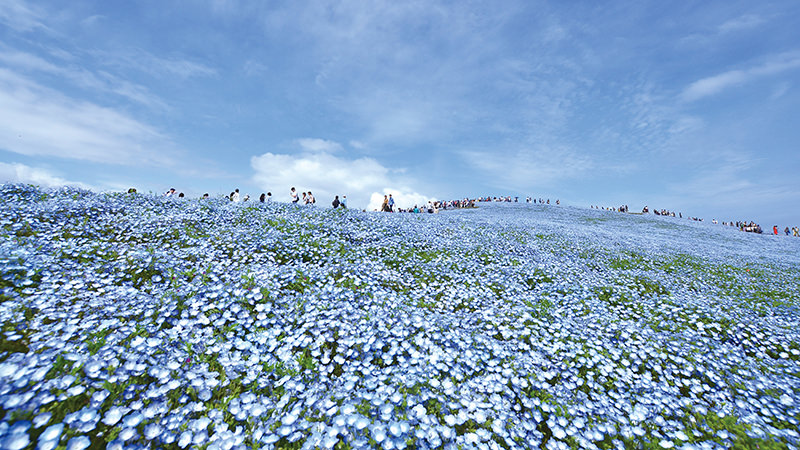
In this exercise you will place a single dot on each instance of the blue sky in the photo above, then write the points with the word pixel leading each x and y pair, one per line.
pixel 688 107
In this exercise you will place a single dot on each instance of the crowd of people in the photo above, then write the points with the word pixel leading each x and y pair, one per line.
pixel 753 227
pixel 646 210
pixel 509 199
pixel 750 227
pixel 389 205
pixel 623 208
pixel 432 207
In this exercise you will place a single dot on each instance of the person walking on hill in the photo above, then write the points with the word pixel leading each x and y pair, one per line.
pixel 775 230
pixel 391 203
pixel 295 198
pixel 335 202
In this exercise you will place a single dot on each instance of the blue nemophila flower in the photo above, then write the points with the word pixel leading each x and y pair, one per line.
pixel 15 441
pixel 78 443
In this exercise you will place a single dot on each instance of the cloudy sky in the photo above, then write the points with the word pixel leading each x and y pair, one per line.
pixel 689 107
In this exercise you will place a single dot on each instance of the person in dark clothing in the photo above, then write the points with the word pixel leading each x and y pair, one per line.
pixel 335 202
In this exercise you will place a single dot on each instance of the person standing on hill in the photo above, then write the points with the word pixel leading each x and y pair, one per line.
pixel 311 199
pixel 295 198
pixel 385 204
pixel 775 230
pixel 391 203
pixel 343 203
pixel 335 202
pixel 235 196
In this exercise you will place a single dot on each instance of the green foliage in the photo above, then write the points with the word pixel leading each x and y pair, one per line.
pixel 540 307
pixel 646 287
pixel 300 284
pixel 306 361
pixel 96 340
pixel 629 261
pixel 538 277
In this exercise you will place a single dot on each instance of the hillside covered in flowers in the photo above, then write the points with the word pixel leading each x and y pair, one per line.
pixel 137 321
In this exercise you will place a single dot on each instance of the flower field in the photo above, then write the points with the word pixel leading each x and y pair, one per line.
pixel 136 321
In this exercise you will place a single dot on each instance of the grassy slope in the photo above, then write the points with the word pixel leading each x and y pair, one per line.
pixel 556 294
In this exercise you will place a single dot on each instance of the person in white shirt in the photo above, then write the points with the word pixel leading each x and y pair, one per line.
pixel 235 195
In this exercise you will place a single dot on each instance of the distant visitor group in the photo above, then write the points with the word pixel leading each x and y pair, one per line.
pixel 749 227
pixel 388 205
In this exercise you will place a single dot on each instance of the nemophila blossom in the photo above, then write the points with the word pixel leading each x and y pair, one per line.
pixel 315 327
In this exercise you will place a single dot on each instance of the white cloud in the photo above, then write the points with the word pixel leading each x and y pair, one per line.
pixel 712 85
pixel 254 68
pixel 744 22
pixel 315 169
pixel 780 90
pixel 26 61
pixel 92 20
pixel 404 71
pixel 727 185
pixel 318 145
pixel 100 82
pixel 19 16
pixel 20 173
pixel 182 68
pixel 402 198
pixel 528 168
pixel 717 83
pixel 162 67
pixel 36 120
